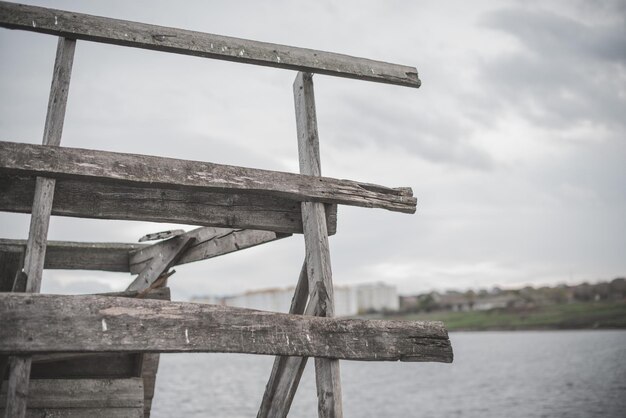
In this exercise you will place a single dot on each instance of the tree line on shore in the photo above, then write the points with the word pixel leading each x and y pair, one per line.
pixel 512 299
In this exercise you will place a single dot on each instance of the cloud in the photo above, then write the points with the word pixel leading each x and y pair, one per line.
pixel 564 73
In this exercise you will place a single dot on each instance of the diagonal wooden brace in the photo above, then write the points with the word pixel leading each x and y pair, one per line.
pixel 169 251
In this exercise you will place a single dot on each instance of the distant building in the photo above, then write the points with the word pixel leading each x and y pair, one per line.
pixel 377 297
pixel 349 300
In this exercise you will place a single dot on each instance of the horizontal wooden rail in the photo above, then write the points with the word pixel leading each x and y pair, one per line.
pixel 83 393
pixel 101 200
pixel 110 256
pixel 35 323
pixel 140 35
pixel 104 256
pixel 159 172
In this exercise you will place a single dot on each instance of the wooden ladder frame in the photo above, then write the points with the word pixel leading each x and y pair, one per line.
pixel 306 202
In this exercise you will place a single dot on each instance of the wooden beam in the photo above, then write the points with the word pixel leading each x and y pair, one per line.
pixel 40 215
pixel 159 172
pixel 277 396
pixel 37 323
pixel 186 42
pixel 327 375
pixel 10 266
pixel 85 393
pixel 88 199
pixel 132 258
pixel 17 386
pixel 67 255
pixel 209 243
pixel 170 252
pixel 85 412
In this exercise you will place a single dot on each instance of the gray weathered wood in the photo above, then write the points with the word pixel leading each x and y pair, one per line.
pixel 87 199
pixel 99 365
pixel 85 393
pixel 133 258
pixel 169 252
pixel 327 376
pixel 17 385
pixel 55 323
pixel 44 187
pixel 67 255
pixel 160 172
pixel 209 242
pixel 140 35
pixel 149 372
pixel 84 412
pixel 40 215
pixel 274 397
pixel 157 236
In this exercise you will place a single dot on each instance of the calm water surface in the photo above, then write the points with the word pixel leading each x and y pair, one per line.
pixel 494 374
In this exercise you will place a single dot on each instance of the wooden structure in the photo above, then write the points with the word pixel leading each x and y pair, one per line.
pixel 98 355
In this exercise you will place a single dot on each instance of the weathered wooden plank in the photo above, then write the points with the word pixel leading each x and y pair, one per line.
pixel 149 372
pixel 179 41
pixel 271 403
pixel 170 252
pixel 134 258
pixel 160 172
pixel 84 412
pixel 327 375
pixel 12 279
pixel 209 243
pixel 44 187
pixel 17 386
pixel 85 393
pixel 40 215
pixel 157 236
pixel 54 323
pixel 86 199
pixel 105 256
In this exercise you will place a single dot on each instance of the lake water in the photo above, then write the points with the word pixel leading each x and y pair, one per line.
pixel 494 374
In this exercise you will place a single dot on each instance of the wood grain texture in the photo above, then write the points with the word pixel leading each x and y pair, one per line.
pixel 209 242
pixel 16 396
pixel 279 390
pixel 85 393
pixel 59 90
pixel 100 365
pixel 54 323
pixel 84 412
pixel 169 252
pixel 159 172
pixel 140 35
pixel 319 271
pixel 88 199
pixel 123 257
pixel 68 255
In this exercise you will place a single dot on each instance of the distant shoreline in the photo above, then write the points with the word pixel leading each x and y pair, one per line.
pixel 568 316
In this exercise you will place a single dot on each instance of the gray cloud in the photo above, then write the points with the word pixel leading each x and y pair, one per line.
pixel 566 71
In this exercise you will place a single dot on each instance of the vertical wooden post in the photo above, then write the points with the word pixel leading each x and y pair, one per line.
pixel 287 371
pixel 17 390
pixel 316 239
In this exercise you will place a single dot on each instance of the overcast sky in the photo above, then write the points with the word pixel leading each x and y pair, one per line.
pixel 515 145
